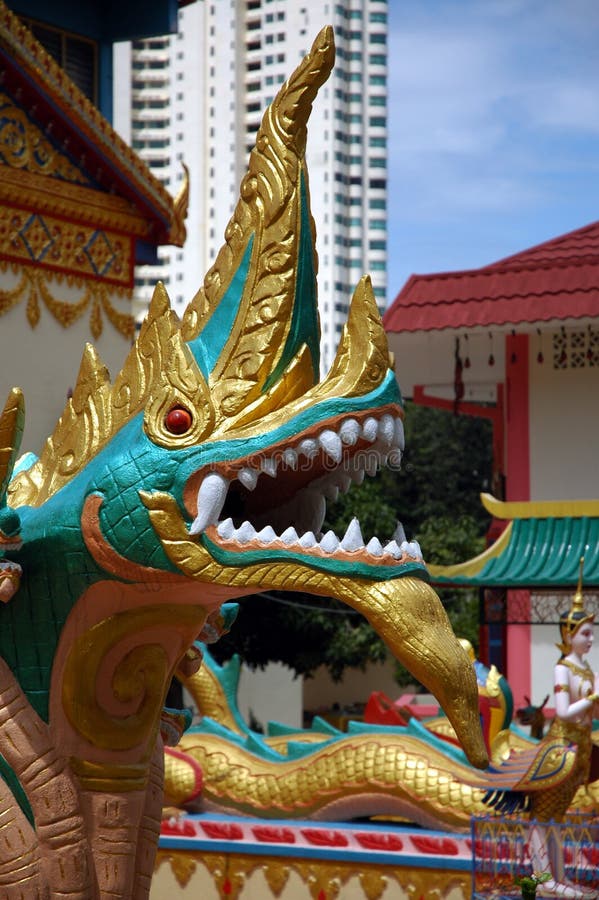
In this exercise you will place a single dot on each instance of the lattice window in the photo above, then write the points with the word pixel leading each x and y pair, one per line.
pixel 575 349
pixel 593 348
pixel 560 350
pixel 544 607
pixel 578 349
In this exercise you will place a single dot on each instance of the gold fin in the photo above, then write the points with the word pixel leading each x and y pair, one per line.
pixel 178 232
pixel 269 209
pixel 362 358
pixel 195 316
pixel 11 432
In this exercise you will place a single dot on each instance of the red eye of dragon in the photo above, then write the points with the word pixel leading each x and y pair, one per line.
pixel 178 420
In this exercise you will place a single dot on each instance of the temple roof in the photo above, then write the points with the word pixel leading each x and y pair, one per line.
pixel 53 105
pixel 558 279
pixel 540 548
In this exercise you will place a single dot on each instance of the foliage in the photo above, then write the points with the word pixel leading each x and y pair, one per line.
pixel 529 883
pixel 447 463
pixel 302 632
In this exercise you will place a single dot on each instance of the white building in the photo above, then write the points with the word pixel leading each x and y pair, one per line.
pixel 198 97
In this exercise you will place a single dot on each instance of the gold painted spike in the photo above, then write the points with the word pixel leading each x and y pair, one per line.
pixel 209 697
pixel 269 210
pixel 362 356
pixel 195 316
pixel 93 378
pixel 178 232
pixel 147 357
pixel 12 422
pixel 77 437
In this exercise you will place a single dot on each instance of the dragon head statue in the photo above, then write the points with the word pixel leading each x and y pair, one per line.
pixel 200 474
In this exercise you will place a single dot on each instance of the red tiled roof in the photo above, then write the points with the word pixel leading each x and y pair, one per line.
pixel 558 279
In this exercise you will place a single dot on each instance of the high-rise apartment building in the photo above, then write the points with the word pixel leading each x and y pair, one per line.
pixel 198 97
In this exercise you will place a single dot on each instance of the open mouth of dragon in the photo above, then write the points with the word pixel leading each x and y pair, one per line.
pixel 277 499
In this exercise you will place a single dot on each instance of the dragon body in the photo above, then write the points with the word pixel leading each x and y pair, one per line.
pixel 414 772
pixel 151 506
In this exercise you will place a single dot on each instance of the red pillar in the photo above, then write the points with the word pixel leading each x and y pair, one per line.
pixel 517 436
pixel 517 418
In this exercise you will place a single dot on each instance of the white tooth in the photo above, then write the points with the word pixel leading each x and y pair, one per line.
pixel 352 540
pixel 399 534
pixel 310 510
pixel 370 428
pixel 269 467
pixel 394 459
pixel 226 529
pixel 331 444
pixel 248 478
pixel 267 534
pixel 349 432
pixel 245 532
pixel 289 536
pixel 370 464
pixel 330 490
pixel 211 499
pixel 318 507
pixel 374 547
pixel 386 430
pixel 343 482
pixel 330 542
pixel 308 540
pixel 399 438
pixel 414 550
pixel 393 549
pixel 404 547
pixel 309 447
pixel 290 458
pixel 357 476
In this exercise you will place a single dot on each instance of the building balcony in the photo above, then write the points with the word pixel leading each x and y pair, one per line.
pixel 148 117
pixel 152 76
pixel 151 55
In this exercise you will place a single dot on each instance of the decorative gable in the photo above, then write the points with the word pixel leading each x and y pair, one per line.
pixel 76 203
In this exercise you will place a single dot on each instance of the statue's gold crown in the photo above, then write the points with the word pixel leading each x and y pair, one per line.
pixel 577 615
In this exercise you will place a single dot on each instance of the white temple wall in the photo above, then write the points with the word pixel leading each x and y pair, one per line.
pixel 44 361
pixel 564 432
pixel 272 694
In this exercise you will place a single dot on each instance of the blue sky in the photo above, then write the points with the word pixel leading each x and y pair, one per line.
pixel 493 129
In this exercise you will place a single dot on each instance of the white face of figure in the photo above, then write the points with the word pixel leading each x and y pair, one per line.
pixel 582 641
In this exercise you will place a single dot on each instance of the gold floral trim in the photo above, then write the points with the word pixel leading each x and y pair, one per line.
pixel 24 146
pixel 33 288
pixel 324 879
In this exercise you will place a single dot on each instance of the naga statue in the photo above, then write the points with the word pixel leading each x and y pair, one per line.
pixel 414 771
pixel 195 477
